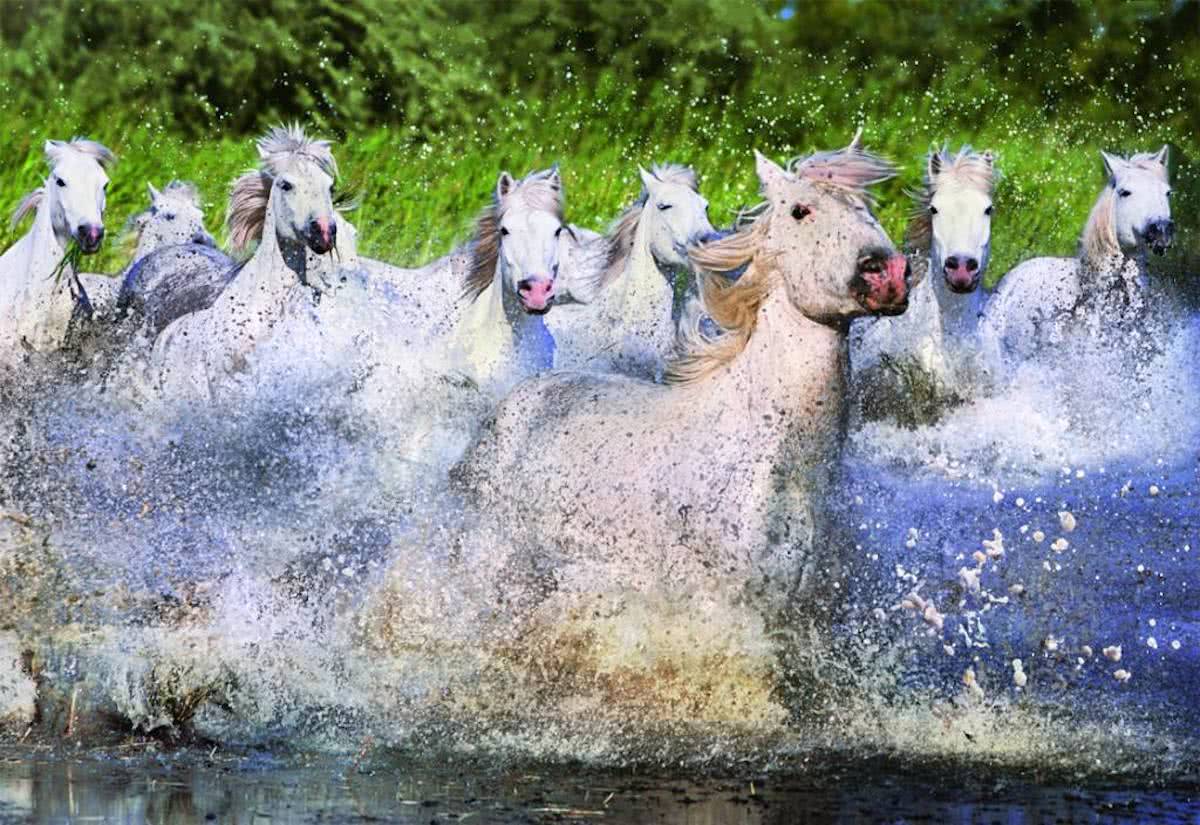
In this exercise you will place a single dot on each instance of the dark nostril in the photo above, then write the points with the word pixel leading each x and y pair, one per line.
pixel 952 262
pixel 972 264
pixel 524 286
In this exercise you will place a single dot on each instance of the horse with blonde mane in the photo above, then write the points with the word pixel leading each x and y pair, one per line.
pixel 39 288
pixel 723 471
pixel 625 320
pixel 1043 300
pixel 459 348
pixel 493 334
pixel 913 365
pixel 286 206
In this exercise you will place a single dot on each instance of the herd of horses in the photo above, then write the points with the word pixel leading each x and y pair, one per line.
pixel 665 395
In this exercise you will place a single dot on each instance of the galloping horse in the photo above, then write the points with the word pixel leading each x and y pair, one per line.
pixel 39 289
pixel 287 205
pixel 1043 299
pixel 912 365
pixel 626 318
pixel 722 473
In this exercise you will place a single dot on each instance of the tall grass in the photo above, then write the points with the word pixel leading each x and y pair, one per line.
pixel 421 190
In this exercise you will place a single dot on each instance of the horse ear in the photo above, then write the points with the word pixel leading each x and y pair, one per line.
pixel 856 141
pixel 648 178
pixel 154 193
pixel 935 163
pixel 53 148
pixel 770 173
pixel 1163 154
pixel 504 185
pixel 555 178
pixel 1111 163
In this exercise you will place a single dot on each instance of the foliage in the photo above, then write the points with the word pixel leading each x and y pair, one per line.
pixel 430 100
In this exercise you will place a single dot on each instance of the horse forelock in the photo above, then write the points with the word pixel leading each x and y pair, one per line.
pixel 28 205
pixel 845 173
pixel 731 304
pixel 675 173
pixel 965 167
pixel 183 190
pixel 89 148
pixel 1149 162
pixel 287 144
pixel 540 191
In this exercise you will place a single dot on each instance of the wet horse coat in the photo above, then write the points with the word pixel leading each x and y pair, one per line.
pixel 722 475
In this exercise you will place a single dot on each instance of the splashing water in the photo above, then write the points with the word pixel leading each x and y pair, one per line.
pixel 274 570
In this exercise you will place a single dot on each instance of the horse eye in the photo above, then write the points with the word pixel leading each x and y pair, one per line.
pixel 1170 192
pixel 663 207
pixel 503 231
pixel 1124 193
pixel 800 212
pixel 988 211
pixel 933 210
pixel 170 216
pixel 558 232
pixel 60 181
pixel 286 186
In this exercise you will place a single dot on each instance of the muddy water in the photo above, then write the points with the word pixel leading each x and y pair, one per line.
pixel 187 787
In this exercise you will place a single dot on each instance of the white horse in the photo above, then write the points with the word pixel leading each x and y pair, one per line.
pixel 1043 299
pixel 39 290
pixel 721 475
pixel 626 318
pixel 935 341
pixel 174 217
pixel 287 206
pixel 457 354
pixel 492 334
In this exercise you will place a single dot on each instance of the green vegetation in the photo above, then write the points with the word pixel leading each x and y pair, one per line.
pixel 430 100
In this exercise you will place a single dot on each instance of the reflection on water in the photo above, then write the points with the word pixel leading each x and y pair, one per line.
pixel 187 788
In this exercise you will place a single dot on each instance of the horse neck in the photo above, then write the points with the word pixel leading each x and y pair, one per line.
pixel 642 290
pixel 144 247
pixel 958 313
pixel 39 253
pixel 34 305
pixel 793 369
pixel 495 332
pixel 277 267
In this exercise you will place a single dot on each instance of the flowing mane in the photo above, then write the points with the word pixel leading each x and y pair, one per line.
pixel 1099 243
pixel 618 244
pixel 733 304
pixel 967 167
pixel 280 147
pixel 540 190
pixel 28 205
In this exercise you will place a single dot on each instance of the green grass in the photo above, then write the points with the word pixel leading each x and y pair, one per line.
pixel 420 195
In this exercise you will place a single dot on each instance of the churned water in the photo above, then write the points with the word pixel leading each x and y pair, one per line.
pixel 294 618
